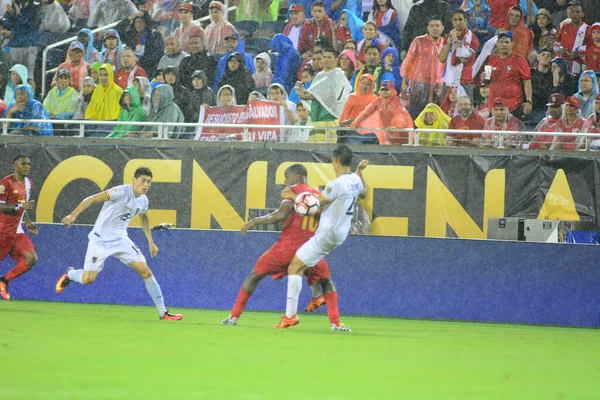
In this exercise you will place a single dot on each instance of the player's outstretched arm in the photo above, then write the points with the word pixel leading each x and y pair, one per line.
pixel 148 233
pixel 88 201
pixel 359 170
pixel 285 208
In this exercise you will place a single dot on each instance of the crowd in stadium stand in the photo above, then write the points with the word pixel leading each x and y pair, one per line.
pixel 372 67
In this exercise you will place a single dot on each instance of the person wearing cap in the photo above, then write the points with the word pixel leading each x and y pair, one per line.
pixel 572 34
pixel 86 38
pixel 137 33
pixel 188 25
pixel 571 122
pixel 109 11
pixel 465 120
pixel 542 26
pixel 111 49
pixel 202 94
pixel 22 19
pixel 592 125
pixel 589 54
pixel 173 54
pixel 293 29
pixel 129 70
pixel 385 114
pixel 541 83
pixel 502 120
pixel 510 77
pixel 588 89
pixel 319 25
pixel 54 18
pixel 420 74
pixel 288 61
pixel 61 101
pixel 78 69
pixel 551 123
pixel 562 80
pixel 233 43
pixel 218 29
pixel 198 59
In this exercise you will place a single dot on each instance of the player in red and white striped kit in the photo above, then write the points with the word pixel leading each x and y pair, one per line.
pixel 15 192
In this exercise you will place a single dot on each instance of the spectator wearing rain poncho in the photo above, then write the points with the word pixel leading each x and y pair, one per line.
pixel 335 8
pixel 278 94
pixel 18 76
pixel 288 61
pixel 226 97
pixel 306 77
pixel 86 38
pixel 218 29
pixel 391 67
pixel 85 95
pixel 104 105
pixel 61 101
pixel 202 95
pixel 588 89
pixel 349 27
pixel 26 108
pixel 109 11
pixel 592 125
pixel 233 43
pixel 137 33
pixel 111 49
pixel 54 18
pixel 132 111
pixel 164 110
pixel 347 63
pixel 181 94
pixel 78 69
pixel 432 117
pixel 94 70
pixel 550 124
pixel 144 88
pixel 501 120
pixel 571 122
pixel 263 76
pixel 237 76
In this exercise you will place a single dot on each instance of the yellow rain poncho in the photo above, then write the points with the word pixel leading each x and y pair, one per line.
pixel 441 122
pixel 104 104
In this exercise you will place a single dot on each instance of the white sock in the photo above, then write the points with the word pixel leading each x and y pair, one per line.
pixel 316 290
pixel 75 275
pixel 154 291
pixel 293 292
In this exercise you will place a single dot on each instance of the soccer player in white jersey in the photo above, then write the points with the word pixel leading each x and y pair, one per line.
pixel 337 202
pixel 109 237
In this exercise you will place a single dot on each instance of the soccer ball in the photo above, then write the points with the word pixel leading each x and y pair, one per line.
pixel 306 203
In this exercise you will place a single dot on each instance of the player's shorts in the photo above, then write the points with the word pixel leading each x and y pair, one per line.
pixel 317 247
pixel 16 245
pixel 99 250
pixel 275 262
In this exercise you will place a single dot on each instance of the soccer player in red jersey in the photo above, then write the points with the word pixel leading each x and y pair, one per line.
pixel 297 229
pixel 15 191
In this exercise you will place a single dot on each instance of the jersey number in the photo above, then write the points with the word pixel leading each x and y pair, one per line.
pixel 125 217
pixel 350 209
pixel 310 222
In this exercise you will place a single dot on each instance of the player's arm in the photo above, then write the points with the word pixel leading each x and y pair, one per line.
pixel 285 208
pixel 31 227
pixel 88 201
pixel 359 169
pixel 146 228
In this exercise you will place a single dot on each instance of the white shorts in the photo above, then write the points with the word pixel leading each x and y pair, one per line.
pixel 311 252
pixel 99 250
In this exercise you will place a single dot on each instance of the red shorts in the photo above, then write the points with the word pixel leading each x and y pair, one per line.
pixel 276 260
pixel 16 245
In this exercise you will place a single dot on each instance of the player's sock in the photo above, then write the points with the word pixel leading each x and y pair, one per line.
pixel 154 291
pixel 333 311
pixel 316 290
pixel 76 275
pixel 17 271
pixel 293 292
pixel 240 303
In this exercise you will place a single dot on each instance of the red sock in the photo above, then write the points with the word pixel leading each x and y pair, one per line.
pixel 17 271
pixel 240 303
pixel 333 311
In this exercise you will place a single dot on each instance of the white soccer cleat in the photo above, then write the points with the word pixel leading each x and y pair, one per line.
pixel 230 321
pixel 340 328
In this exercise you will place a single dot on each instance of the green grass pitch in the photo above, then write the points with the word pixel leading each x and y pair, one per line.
pixel 90 351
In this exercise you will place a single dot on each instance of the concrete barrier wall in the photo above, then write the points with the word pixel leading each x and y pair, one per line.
pixel 517 282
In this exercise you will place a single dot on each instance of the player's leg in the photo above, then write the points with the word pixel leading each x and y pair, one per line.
pixel 93 263
pixel 246 291
pixel 23 253
pixel 295 271
pixel 154 290
pixel 321 276
pixel 317 300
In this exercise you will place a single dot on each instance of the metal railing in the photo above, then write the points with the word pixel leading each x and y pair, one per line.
pixel 103 28
pixel 188 131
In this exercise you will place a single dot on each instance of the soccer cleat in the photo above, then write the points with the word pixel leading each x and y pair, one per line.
pixel 63 281
pixel 4 290
pixel 231 321
pixel 171 317
pixel 315 303
pixel 340 328
pixel 286 322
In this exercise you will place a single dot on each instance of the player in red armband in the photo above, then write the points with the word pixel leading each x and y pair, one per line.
pixel 297 230
pixel 15 191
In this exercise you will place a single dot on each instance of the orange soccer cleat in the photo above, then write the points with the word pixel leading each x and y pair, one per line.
pixel 286 322
pixel 4 290
pixel 171 317
pixel 63 281
pixel 315 303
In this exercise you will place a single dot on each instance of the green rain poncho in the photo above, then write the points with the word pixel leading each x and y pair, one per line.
pixel 135 113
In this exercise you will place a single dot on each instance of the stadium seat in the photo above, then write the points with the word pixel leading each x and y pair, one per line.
pixel 247 26
pixel 274 26
pixel 259 43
